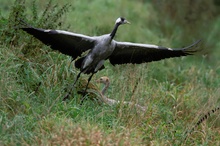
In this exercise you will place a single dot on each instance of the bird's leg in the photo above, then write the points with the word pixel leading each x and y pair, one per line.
pixel 84 93
pixel 67 95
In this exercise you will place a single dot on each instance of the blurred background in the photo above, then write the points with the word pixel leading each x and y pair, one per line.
pixel 153 21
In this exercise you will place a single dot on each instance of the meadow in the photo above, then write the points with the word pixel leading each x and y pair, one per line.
pixel 178 93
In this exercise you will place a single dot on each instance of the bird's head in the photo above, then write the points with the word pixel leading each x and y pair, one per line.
pixel 121 20
pixel 103 80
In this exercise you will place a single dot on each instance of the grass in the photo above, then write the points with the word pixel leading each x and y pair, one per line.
pixel 177 92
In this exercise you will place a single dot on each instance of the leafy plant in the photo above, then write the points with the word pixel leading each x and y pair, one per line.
pixel 50 18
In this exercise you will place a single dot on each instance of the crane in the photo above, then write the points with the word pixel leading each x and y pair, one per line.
pixel 101 48
pixel 106 81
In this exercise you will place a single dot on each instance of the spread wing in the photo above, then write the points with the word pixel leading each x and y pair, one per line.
pixel 126 52
pixel 68 43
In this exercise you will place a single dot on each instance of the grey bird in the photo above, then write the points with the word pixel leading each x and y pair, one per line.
pixel 102 48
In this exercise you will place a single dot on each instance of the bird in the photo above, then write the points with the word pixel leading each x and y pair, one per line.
pixel 90 52
pixel 106 81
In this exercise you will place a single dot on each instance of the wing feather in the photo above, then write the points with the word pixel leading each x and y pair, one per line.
pixel 126 52
pixel 68 43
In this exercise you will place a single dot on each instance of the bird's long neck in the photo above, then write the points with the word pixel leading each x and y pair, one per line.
pixel 114 30
pixel 105 88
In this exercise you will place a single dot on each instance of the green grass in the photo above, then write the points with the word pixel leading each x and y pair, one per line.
pixel 177 92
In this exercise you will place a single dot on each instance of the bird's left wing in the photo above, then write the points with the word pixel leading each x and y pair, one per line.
pixel 126 52
pixel 68 43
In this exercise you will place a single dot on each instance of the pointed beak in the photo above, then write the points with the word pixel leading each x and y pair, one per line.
pixel 127 22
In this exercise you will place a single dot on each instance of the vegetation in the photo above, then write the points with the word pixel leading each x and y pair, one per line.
pixel 178 92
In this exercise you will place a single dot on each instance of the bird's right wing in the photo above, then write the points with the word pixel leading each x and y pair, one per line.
pixel 68 43
pixel 126 52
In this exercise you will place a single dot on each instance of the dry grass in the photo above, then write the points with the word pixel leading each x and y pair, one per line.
pixel 69 133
